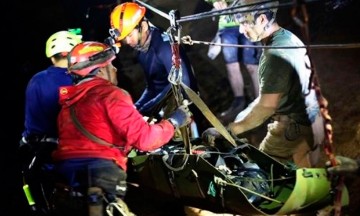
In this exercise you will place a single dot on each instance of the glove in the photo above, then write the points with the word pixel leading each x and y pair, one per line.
pixel 210 135
pixel 180 117
pixel 152 121
pixel 344 165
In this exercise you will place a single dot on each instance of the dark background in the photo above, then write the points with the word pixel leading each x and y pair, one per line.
pixel 29 23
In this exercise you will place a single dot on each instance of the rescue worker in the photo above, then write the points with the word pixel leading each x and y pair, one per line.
pixel 228 31
pixel 40 135
pixel 42 91
pixel 129 26
pixel 285 97
pixel 99 124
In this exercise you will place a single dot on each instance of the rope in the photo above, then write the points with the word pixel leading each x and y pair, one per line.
pixel 166 16
pixel 187 40
pixel 237 9
pixel 175 50
pixel 230 10
pixel 328 142
pixel 222 182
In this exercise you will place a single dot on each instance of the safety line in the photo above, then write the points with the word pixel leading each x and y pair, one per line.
pixel 159 12
pixel 187 40
pixel 237 9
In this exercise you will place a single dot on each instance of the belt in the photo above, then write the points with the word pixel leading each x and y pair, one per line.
pixel 49 139
pixel 287 118
pixel 281 118
pixel 40 139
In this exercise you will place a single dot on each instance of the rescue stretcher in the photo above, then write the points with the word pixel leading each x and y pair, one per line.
pixel 241 181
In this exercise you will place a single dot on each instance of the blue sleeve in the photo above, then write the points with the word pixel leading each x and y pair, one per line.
pixel 187 70
pixel 146 108
pixel 161 63
pixel 144 98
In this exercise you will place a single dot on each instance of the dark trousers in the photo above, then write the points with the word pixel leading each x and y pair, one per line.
pixel 93 172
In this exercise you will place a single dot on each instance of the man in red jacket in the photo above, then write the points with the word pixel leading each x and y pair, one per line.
pixel 99 124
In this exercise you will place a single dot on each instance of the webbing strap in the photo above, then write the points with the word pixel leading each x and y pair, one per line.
pixel 86 132
pixel 208 114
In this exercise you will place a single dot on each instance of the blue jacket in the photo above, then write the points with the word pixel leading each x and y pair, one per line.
pixel 157 63
pixel 42 101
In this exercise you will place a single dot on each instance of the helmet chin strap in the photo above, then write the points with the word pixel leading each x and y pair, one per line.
pixel 108 74
pixel 142 46
pixel 266 27
pixel 138 45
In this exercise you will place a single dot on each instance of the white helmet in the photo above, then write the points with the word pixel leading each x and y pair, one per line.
pixel 61 42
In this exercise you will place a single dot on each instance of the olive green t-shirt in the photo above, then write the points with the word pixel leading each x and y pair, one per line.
pixel 287 71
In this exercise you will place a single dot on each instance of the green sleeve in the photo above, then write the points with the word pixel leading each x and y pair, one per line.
pixel 275 73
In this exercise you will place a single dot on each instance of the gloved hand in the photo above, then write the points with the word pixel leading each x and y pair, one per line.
pixel 210 135
pixel 344 165
pixel 180 117
pixel 152 121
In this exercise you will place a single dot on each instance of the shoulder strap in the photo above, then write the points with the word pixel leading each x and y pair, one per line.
pixel 86 132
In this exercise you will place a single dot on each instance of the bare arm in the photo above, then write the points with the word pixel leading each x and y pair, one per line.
pixel 256 114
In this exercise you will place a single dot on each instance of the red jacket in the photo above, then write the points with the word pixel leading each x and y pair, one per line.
pixel 107 112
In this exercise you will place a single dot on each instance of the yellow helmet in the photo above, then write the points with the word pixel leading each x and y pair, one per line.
pixel 61 42
pixel 124 18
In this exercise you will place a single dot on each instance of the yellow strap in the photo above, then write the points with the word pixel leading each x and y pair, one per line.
pixel 208 114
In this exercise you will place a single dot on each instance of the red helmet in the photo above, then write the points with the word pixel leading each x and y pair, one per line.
pixel 89 55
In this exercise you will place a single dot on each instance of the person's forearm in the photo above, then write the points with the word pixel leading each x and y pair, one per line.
pixel 255 117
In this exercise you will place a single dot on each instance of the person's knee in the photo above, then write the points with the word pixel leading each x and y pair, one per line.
pixel 301 155
pixel 95 201
pixel 95 195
